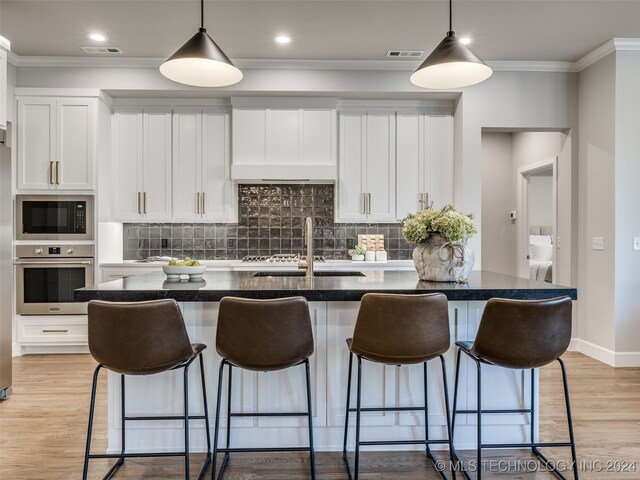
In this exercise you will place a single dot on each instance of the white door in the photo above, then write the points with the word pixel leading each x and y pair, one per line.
pixel 217 189
pixel 127 164
pixel 156 166
pixel 410 163
pixel 36 143
pixel 438 172
pixel 187 176
pixel 351 203
pixel 75 151
pixel 380 170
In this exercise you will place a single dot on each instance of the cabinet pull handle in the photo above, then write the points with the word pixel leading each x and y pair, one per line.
pixel 138 195
pixel 57 173
pixel 50 172
pixel 421 201
pixel 144 203
pixel 198 202
pixel 203 204
pixel 368 203
pixel 363 201
pixel 51 330
pixel 426 200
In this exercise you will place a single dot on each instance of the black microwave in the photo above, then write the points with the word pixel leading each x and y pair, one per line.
pixel 54 217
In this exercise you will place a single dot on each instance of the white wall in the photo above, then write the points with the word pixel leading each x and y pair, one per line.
pixel 596 285
pixel 627 202
pixel 498 199
pixel 541 200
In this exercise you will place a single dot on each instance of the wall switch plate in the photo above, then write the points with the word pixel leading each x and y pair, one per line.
pixel 636 243
pixel 598 243
pixel 558 243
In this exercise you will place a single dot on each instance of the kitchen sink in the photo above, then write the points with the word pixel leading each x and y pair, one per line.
pixel 301 273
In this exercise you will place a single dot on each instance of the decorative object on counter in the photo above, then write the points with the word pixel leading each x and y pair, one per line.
pixel 370 256
pixel 372 242
pixel 451 64
pixel 381 256
pixel 441 253
pixel 357 253
pixel 187 266
pixel 201 62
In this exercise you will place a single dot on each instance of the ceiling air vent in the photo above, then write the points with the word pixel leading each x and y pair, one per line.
pixel 103 50
pixel 405 53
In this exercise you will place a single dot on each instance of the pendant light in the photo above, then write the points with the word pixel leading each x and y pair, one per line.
pixel 451 65
pixel 200 62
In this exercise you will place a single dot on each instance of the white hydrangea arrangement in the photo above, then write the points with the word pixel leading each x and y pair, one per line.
pixel 452 225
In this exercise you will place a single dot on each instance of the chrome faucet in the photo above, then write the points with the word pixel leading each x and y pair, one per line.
pixel 307 263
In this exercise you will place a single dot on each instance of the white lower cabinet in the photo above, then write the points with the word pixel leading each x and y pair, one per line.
pixel 51 331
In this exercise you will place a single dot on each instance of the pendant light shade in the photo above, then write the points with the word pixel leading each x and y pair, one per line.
pixel 451 65
pixel 201 62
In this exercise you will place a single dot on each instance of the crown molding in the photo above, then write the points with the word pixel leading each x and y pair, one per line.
pixel 615 44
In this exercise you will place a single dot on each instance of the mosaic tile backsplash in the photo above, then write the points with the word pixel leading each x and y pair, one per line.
pixel 270 221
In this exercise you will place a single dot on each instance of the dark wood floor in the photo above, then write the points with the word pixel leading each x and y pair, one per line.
pixel 43 426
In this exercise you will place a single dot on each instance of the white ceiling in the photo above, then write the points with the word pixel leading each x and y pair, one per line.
pixel 529 30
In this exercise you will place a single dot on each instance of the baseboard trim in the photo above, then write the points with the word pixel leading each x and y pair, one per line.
pixel 615 359
pixel 15 350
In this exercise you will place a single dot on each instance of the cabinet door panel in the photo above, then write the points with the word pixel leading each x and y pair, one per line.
pixel 127 155
pixel 318 137
pixel 439 160
pixel 410 164
pixel 36 143
pixel 283 132
pixel 216 175
pixel 75 145
pixel 249 136
pixel 157 166
pixel 381 167
pixel 186 176
pixel 351 168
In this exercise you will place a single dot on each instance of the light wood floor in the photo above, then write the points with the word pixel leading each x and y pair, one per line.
pixel 43 428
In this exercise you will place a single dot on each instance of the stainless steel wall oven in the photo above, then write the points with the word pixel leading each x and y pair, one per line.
pixel 54 217
pixel 46 277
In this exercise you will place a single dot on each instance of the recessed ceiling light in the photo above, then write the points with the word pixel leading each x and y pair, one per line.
pixel 282 39
pixel 97 37
pixel 465 40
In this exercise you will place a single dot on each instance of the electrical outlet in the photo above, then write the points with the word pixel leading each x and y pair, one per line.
pixel 558 243
pixel 351 243
pixel 636 243
pixel 597 243
pixel 165 243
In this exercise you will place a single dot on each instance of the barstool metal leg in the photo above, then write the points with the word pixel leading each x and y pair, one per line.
pixel 90 426
pixel 426 407
pixel 358 407
pixel 346 415
pixel 185 386
pixel 532 406
pixel 216 428
pixel 312 459
pixel 479 426
pixel 206 410
pixel 448 413
pixel 565 385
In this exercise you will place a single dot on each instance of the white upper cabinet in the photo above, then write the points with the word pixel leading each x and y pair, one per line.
pixel 56 143
pixel 425 162
pixel 202 189
pixel 367 170
pixel 284 143
pixel 142 164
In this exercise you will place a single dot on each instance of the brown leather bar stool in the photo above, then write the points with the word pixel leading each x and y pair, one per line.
pixel 522 335
pixel 399 330
pixel 262 336
pixel 143 338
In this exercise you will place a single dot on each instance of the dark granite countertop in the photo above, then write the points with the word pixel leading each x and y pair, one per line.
pixel 215 285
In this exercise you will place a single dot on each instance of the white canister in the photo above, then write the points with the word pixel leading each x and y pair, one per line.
pixel 381 256
pixel 370 256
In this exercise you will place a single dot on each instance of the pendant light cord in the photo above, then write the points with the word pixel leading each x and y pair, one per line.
pixel 450 15
pixel 201 13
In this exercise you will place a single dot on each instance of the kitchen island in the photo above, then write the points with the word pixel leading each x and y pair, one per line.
pixel 333 302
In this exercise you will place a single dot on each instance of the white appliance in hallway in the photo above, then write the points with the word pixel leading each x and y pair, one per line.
pixel 6 277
